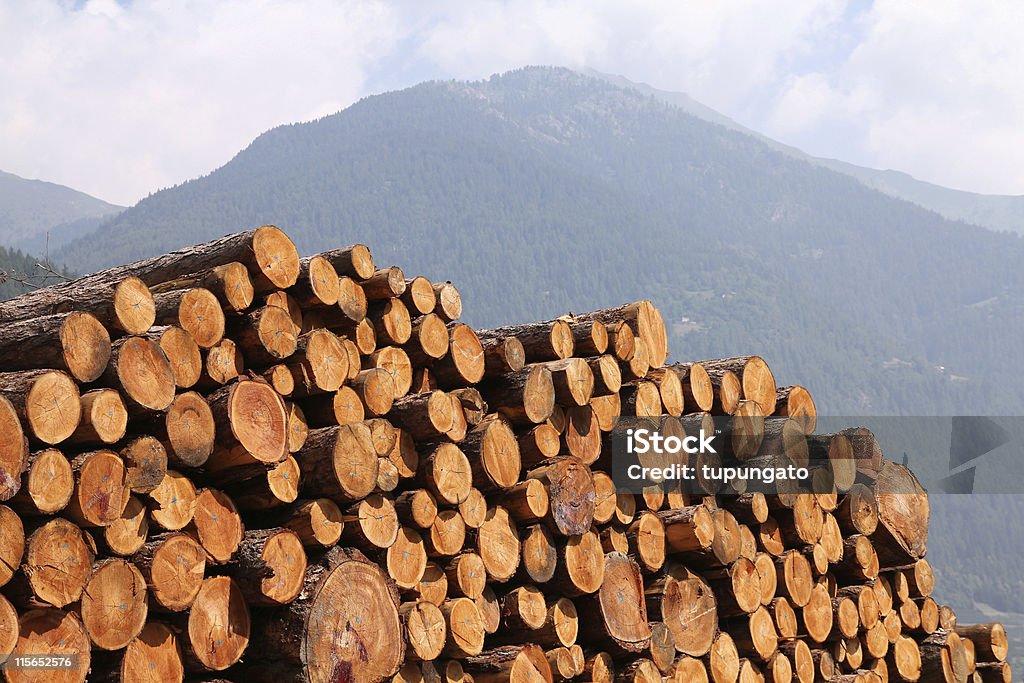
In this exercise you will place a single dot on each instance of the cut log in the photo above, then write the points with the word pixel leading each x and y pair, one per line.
pixel 218 625
pixel 738 587
pixel 571 494
pixel 355 261
pixel 14 451
pixel 599 667
pixel 172 504
pixel 114 604
pixel 523 609
pixel 173 566
pixel 990 642
pixel 539 554
pixel 646 538
pixel 154 655
pixel 146 462
pixel 101 489
pixel 723 660
pixel 641 399
pixel 797 402
pixel 616 617
pixel 465 628
pixel 140 369
pixel 644 320
pixel 269 566
pixel 58 561
pixel 128 533
pixel 392 323
pixel 524 397
pixel 223 363
pixel 447 534
pixel 46 486
pixel 493 451
pixel 12 543
pixel 123 304
pixel 447 473
pixel 385 283
pixel 580 565
pixel 449 301
pixel 406 558
pixel 510 664
pixel 502 355
pixel 253 415
pixel 104 418
pixel 264 336
pixel 182 353
pixel 217 525
pixel 319 364
pixel 47 401
pixel 542 341
pixel 903 513
pixel 8 628
pixel 464 364
pixel 498 545
pixel 230 283
pixel 73 342
pixel 687 605
pixel 51 633
pixel 755 636
pixel 197 311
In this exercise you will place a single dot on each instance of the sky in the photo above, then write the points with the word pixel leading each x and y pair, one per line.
pixel 121 99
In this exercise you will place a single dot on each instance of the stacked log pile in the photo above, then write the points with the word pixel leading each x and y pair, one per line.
pixel 232 463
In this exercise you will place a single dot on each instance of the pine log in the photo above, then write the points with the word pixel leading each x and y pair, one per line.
pixel 449 301
pixel 251 414
pixel 755 636
pixel 123 304
pixel 104 418
pixel 46 485
pixel 101 489
pixel 51 632
pixel 146 462
pixel 510 664
pixel 172 504
pixel 392 323
pixel 447 534
pixel 230 283
pixel 990 642
pixel 265 336
pixel 173 565
pixel 319 364
pixel 903 513
pixel 646 539
pixel 571 493
pixel 154 655
pixel 46 401
pixel 140 369
pixel 58 561
pixel 9 631
pixel 73 342
pixel 12 543
pixel 222 364
pixel 687 605
pixel 560 627
pixel 126 535
pixel 197 311
pixel 217 525
pixel 498 544
pixel 269 566
pixel 217 634
pixel 114 604
pixel 644 320
pixel 723 661
pixel 542 341
pixel 14 450
pixel 524 397
pixel 616 617
pixel 464 364
pixel 539 554
pixel 493 452
pixel 447 473
pixel 354 261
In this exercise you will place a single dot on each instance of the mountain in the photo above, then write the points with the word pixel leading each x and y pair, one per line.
pixel 998 212
pixel 29 209
pixel 543 191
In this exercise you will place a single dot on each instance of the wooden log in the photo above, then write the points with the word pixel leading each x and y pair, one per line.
pixel 376 390
pixel 319 364
pixel 146 461
pixel 539 554
pixel 172 504
pixel 797 402
pixel 447 534
pixel 994 672
pixel 55 633
pixel 46 401
pixel 114 607
pixel 124 305
pixel 639 364
pixel 465 628
pixel 797 581
pixel 755 636
pixel 406 558
pixel 9 631
pixel 196 310
pixel 644 320
pixel 723 660
pixel 860 561
pixel 527 502
pixel 571 493
pixel 222 364
pixel 140 369
pixel 523 609
pixel 46 486
pixel 265 336
pixel 990 642
pixel 560 627
pixel 523 397
pixel 298 427
pixel 904 660
pixel 14 450
pixel 690 670
pixel 371 524
pixel 816 616
pixel 687 605
pixel 173 565
pixel 573 381
pixel 465 364
pixel 384 283
pixel 104 418
pixel 182 353
pixel 447 473
pixel 251 414
pixel 317 283
pixel 355 261
pixel 58 561
pixel 943 658
pixel 502 355
pixel 498 544
pixel 218 626
pixel 126 535
pixel 317 522
pixel 101 489
pixel 428 340
pixel 73 342
pixel 542 341
pixel 493 452
pixel 641 399
pixel 154 655
pixel 738 586
pixel 339 462
pixel 12 543
pixel 230 283
pixel 391 321
pixel 688 530
pixel 269 566
pixel 646 539
pixel 510 664
pixel 217 525
pixel 423 416
pixel 616 617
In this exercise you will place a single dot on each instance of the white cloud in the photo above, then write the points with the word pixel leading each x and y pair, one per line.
pixel 933 90
pixel 120 99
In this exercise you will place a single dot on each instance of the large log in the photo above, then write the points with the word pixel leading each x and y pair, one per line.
pixel 114 604
pixel 617 616
pixel 173 565
pixel 47 401
pixel 46 486
pixel 140 369
pixel 55 633
pixel 344 625
pixel 230 283
pixel 122 303
pixel 74 342
pixel 197 311
pixel 645 321
pixel 903 513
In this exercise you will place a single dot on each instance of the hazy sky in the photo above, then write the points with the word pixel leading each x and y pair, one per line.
pixel 122 99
